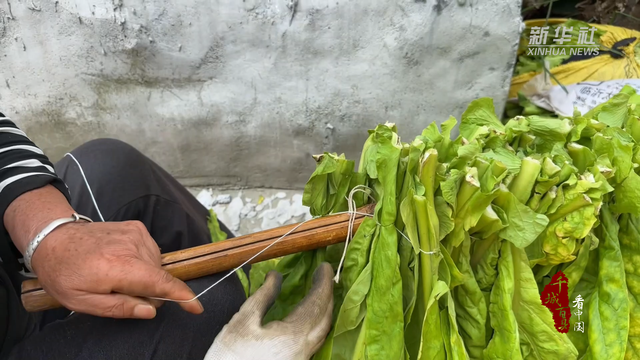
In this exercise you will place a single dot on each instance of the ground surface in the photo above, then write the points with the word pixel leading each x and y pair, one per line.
pixel 250 210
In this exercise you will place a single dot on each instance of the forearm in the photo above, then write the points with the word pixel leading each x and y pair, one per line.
pixel 32 211
pixel 31 194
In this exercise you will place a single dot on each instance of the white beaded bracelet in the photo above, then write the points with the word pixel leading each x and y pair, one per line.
pixel 33 244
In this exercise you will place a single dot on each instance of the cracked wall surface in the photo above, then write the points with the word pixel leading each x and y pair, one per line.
pixel 242 93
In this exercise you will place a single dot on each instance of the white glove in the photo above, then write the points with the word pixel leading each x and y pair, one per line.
pixel 297 337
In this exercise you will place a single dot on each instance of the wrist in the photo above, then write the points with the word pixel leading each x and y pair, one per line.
pixel 32 211
pixel 55 234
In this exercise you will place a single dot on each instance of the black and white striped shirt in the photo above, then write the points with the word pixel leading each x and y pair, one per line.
pixel 23 167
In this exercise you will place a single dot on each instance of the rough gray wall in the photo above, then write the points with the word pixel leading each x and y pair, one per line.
pixel 243 92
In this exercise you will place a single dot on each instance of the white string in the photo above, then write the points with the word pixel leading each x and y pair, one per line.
pixel 256 255
pixel 87 184
pixel 238 268
pixel 352 213
pixel 352 217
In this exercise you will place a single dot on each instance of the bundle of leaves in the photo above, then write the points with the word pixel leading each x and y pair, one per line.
pixel 468 230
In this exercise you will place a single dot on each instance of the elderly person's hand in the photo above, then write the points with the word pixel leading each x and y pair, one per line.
pixel 297 337
pixel 103 269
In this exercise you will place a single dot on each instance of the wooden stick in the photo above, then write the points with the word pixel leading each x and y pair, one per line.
pixel 226 255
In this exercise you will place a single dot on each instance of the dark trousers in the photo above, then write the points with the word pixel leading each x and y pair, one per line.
pixel 129 186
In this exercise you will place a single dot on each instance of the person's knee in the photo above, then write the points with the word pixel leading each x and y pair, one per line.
pixel 110 154
pixel 105 159
pixel 106 146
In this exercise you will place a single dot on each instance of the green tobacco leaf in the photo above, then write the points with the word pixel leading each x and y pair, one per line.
pixel 446 330
pixel 426 319
pixel 550 128
pixel 535 323
pixel 585 288
pixel 382 136
pixel 633 123
pixel 408 212
pixel 471 309
pixel 576 269
pixel 432 339
pixel 609 307
pixel 525 225
pixel 484 261
pixel 492 174
pixel 339 185
pixel 523 183
pixel 409 182
pixel 447 126
pixel 492 220
pixel 353 307
pixel 508 158
pixel 445 217
pixel 582 156
pixel 456 277
pixel 457 349
pixel 453 343
pixel 516 302
pixel 424 332
pixel 432 133
pixel 505 343
pixel 214 228
pixel 614 112
pixel 467 152
pixel 294 268
pixel 218 235
pixel 358 251
pixel 480 112
pixel 628 195
pixel 629 90
pixel 447 149
pixel 316 191
pixel 384 333
pixel 258 273
pixel 451 185
pixel 559 240
pixel 409 272
pixel 619 152
pixel 579 123
pixel 630 248
pixel 471 204
pixel 614 109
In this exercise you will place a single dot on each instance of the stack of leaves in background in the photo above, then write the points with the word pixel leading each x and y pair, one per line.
pixel 467 232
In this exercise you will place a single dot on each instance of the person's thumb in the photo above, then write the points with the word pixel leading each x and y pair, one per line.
pixel 257 305
pixel 116 306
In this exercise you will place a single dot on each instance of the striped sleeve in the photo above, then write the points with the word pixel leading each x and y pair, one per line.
pixel 23 166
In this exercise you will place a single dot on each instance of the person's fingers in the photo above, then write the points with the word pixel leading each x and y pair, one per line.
pixel 155 303
pixel 114 306
pixel 314 311
pixel 318 334
pixel 150 252
pixel 257 305
pixel 145 280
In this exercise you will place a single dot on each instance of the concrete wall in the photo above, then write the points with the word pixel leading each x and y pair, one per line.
pixel 243 92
